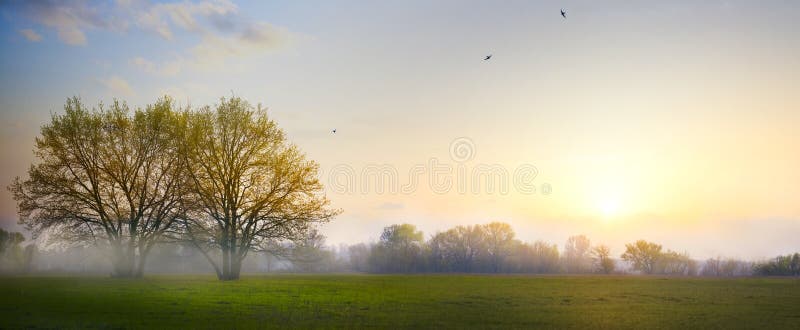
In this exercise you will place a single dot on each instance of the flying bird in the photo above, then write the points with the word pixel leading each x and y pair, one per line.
pixel 334 131
pixel 487 57
pixel 563 13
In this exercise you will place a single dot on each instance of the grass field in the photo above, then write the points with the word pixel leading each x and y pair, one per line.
pixel 398 301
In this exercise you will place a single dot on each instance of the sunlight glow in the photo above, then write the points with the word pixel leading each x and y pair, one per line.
pixel 609 206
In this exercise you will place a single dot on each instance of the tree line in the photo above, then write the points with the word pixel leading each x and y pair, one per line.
pixel 493 248
pixel 223 179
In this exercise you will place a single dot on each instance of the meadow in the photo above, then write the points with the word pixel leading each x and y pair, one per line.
pixel 399 301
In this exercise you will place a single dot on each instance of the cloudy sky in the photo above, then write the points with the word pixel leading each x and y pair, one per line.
pixel 672 121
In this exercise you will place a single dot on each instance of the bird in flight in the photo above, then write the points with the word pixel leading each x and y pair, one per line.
pixel 334 131
pixel 563 13
pixel 487 57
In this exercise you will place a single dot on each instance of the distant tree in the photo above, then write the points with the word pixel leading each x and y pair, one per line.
pixel 11 252
pixel 106 177
pixel 712 267
pixel 642 255
pixel 359 257
pixel 788 265
pixel 729 267
pixel 251 185
pixel 309 253
pixel 601 258
pixel 693 268
pixel 725 267
pixel 458 248
pixel 398 250
pixel 674 263
pixel 539 257
pixel 499 243
pixel 9 241
pixel 545 257
pixel 577 257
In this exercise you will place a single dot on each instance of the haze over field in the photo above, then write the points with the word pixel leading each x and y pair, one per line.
pixel 674 122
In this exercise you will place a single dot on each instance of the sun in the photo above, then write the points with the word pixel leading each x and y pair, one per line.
pixel 609 206
pixel 609 202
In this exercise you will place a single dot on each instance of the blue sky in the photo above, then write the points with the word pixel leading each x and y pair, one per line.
pixel 672 121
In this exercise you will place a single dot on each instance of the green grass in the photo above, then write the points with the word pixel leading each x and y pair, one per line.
pixel 399 301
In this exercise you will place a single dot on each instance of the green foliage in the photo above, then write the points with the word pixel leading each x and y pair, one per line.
pixel 13 257
pixel 225 179
pixel 674 263
pixel 458 249
pixel 487 248
pixel 399 250
pixel 642 255
pixel 601 258
pixel 251 187
pixel 397 301
pixel 9 240
pixel 788 265
pixel 107 177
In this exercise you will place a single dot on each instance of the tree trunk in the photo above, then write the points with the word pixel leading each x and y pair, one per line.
pixel 125 261
pixel 122 263
pixel 226 255
pixel 226 263
pixel 236 267
pixel 143 252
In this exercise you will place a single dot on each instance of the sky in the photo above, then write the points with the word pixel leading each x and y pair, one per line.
pixel 671 121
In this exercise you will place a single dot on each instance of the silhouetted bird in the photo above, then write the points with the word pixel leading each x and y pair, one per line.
pixel 487 57
pixel 334 131
pixel 563 13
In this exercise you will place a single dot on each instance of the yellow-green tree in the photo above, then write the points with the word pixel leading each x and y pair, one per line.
pixel 251 186
pixel 642 255
pixel 601 258
pixel 106 177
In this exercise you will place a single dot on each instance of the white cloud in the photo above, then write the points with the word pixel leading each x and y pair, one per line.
pixel 117 86
pixel 31 35
pixel 265 35
pixel 224 33
pixel 144 65
pixel 69 18
pixel 215 47
pixel 72 36
pixel 259 37
pixel 184 15
pixel 169 68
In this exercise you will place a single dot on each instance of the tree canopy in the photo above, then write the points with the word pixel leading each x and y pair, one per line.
pixel 106 177
pixel 250 185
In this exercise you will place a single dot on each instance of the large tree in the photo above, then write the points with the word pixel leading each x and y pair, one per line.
pixel 252 187
pixel 106 177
